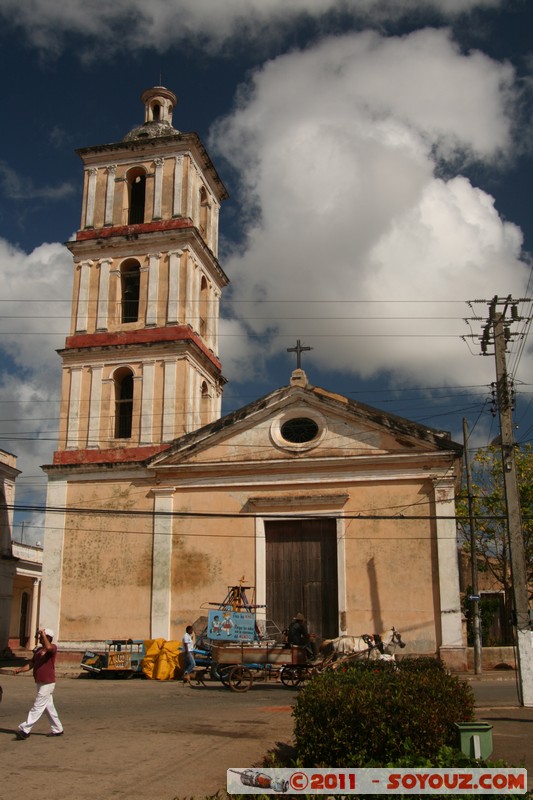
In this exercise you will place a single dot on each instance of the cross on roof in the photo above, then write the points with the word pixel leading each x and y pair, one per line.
pixel 299 349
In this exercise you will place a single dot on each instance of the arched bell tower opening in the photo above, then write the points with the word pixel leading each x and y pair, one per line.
pixel 136 182
pixel 123 380
pixel 130 274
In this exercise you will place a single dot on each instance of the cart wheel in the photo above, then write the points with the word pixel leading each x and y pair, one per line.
pixel 240 679
pixel 224 673
pixel 292 676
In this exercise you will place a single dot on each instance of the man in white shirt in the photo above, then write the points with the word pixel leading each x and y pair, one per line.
pixel 188 646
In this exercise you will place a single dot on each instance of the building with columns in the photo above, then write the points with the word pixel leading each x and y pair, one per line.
pixel 157 503
pixel 20 570
pixel 8 475
pixel 26 599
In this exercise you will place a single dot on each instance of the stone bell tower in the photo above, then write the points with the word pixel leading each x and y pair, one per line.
pixel 140 366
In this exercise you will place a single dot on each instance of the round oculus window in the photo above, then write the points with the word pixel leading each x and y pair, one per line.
pixel 299 430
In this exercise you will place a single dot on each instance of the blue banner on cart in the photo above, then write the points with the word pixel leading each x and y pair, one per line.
pixel 230 626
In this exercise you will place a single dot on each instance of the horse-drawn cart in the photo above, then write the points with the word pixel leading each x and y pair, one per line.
pixel 239 664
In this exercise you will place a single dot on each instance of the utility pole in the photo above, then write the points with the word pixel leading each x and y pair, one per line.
pixel 476 622
pixel 497 331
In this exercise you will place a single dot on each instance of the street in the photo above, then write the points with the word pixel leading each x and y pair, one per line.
pixel 162 740
pixel 139 738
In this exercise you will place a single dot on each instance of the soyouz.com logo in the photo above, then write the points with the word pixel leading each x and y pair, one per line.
pixel 376 781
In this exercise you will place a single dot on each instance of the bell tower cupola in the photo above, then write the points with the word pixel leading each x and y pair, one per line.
pixel 141 365
pixel 159 103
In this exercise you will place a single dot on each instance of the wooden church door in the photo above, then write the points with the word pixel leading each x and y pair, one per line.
pixel 301 573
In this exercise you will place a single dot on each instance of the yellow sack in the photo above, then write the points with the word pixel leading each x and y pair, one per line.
pixel 152 649
pixel 167 661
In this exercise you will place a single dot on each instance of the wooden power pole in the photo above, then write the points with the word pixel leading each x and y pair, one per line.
pixel 474 598
pixel 497 330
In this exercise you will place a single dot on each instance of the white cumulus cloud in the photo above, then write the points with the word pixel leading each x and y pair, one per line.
pixel 341 151
pixel 160 23
pixel 34 319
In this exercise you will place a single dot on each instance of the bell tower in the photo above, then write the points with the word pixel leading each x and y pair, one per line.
pixel 140 366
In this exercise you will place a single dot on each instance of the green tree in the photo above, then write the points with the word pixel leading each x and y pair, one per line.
pixel 492 545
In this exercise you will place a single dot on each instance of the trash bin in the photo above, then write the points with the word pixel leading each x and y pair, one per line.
pixel 475 739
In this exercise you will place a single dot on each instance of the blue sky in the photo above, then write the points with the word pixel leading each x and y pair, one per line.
pixel 379 164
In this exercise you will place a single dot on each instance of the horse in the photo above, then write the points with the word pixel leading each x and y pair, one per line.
pixel 380 646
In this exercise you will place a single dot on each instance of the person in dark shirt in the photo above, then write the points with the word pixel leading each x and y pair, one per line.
pixel 298 635
pixel 43 665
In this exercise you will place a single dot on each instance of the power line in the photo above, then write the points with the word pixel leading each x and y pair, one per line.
pixel 217 515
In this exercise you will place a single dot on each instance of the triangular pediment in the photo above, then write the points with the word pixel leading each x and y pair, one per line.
pixel 302 421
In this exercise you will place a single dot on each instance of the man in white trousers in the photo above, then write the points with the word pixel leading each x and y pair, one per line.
pixel 43 665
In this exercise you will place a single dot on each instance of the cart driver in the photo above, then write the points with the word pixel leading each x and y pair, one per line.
pixel 299 635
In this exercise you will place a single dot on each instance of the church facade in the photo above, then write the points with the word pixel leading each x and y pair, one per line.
pixel 156 504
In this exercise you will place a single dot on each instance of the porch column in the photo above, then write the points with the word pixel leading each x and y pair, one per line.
pixel 153 288
pixel 161 564
pixel 91 195
pixel 452 649
pixel 103 294
pixel 82 314
pixel 110 194
pixel 341 575
pixel 158 187
pixel 174 265
pixel 73 422
pixel 35 598
pixel 169 401
pixel 215 321
pixel 56 498
pixel 214 229
pixel 147 405
pixel 95 412
pixel 178 183
pixel 188 295
pixel 189 212
pixel 260 567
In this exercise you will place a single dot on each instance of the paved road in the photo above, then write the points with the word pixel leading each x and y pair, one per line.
pixel 160 741
pixel 138 739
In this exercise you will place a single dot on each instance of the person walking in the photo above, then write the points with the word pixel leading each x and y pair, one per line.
pixel 188 647
pixel 43 665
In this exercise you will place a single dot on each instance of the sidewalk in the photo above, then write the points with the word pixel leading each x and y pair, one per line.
pixel 512 725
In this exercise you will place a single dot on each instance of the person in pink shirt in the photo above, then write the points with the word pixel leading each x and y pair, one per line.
pixel 43 665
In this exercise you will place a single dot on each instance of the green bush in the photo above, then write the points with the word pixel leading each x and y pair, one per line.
pixel 371 714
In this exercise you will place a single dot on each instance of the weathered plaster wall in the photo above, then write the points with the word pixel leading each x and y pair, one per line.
pixel 107 563
pixel 209 553
pixel 392 576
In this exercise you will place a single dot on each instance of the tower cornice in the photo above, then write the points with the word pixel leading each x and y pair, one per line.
pixel 143 336
pixel 173 145
pixel 130 239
